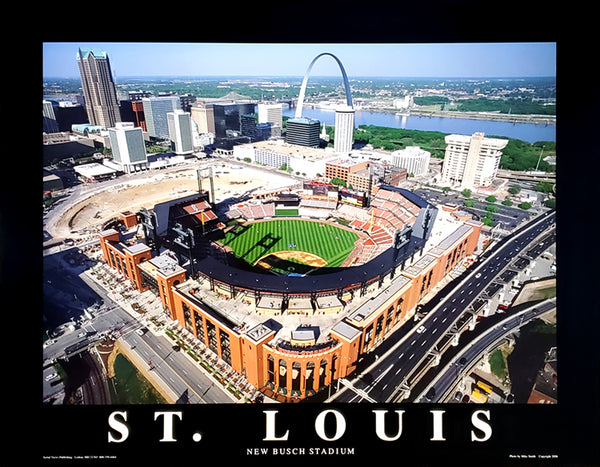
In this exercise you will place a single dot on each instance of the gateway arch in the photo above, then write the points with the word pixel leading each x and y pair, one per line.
pixel 303 88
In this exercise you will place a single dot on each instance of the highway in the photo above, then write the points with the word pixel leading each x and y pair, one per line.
pixel 462 362
pixel 388 376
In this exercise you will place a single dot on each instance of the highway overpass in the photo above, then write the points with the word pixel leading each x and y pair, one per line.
pixel 462 363
pixel 392 376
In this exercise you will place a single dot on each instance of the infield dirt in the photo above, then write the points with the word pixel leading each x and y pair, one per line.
pixel 301 256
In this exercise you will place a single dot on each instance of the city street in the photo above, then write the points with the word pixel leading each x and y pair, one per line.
pixel 181 377
pixel 384 379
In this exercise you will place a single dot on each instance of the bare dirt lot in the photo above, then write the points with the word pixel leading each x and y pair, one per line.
pixel 131 193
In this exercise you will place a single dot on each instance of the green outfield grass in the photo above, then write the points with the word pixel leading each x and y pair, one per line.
pixel 251 242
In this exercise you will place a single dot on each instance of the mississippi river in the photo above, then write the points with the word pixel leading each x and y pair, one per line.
pixel 529 132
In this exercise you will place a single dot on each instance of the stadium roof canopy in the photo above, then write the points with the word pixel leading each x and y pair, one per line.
pixel 333 281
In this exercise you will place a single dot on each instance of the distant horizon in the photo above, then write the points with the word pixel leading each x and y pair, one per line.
pixel 350 78
pixel 369 60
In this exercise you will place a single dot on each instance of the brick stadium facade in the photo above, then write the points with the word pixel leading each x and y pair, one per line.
pixel 250 319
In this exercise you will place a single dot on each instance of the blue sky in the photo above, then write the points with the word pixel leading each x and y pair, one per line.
pixel 460 60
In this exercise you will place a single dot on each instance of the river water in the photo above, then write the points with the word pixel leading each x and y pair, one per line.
pixel 529 132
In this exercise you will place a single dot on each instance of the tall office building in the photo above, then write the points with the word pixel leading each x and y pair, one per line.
pixel 228 117
pixel 270 113
pixel 204 116
pixel 128 147
pixel 344 129
pixel 303 132
pixel 155 113
pixel 50 125
pixel 98 88
pixel 133 111
pixel 471 160
pixel 180 132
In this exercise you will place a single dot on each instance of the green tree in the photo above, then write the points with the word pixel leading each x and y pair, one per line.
pixel 544 187
pixel 338 181
pixel 491 208
pixel 514 189
pixel 466 193
pixel 491 199
pixel 470 203
pixel 525 206
pixel 487 220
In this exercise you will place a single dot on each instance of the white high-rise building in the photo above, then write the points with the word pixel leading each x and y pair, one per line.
pixel 270 113
pixel 471 161
pixel 344 129
pixel 412 158
pixel 128 147
pixel 180 132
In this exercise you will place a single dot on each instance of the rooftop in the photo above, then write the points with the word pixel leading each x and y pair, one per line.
pixel 93 170
pixel 304 152
pixel 85 53
pixel 304 120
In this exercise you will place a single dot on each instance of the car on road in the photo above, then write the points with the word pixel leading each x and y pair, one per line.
pixel 421 329
pixel 51 376
pixel 478 275
pixel 140 331
pixel 49 342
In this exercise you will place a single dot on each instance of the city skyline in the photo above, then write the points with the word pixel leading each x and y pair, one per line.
pixel 422 60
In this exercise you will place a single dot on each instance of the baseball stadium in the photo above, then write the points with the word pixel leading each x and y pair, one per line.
pixel 290 288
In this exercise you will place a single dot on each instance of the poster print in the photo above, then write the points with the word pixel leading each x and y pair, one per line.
pixel 273 313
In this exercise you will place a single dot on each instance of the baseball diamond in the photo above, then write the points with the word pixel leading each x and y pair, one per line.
pixel 255 242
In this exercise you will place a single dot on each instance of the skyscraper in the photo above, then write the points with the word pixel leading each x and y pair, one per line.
pixel 303 132
pixel 180 132
pixel 155 112
pixel 128 147
pixel 50 124
pixel 228 117
pixel 344 129
pixel 471 160
pixel 98 88
pixel 270 113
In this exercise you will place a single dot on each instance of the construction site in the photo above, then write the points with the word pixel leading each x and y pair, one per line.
pixel 90 205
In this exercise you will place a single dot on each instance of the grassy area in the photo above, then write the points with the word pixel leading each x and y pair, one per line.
pixel 252 241
pixel 498 364
pixel 130 387
pixel 286 212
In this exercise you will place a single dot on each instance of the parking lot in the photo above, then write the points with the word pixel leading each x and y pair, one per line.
pixel 509 217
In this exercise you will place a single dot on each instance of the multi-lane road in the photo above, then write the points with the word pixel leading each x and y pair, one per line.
pixel 181 377
pixel 490 335
pixel 389 375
